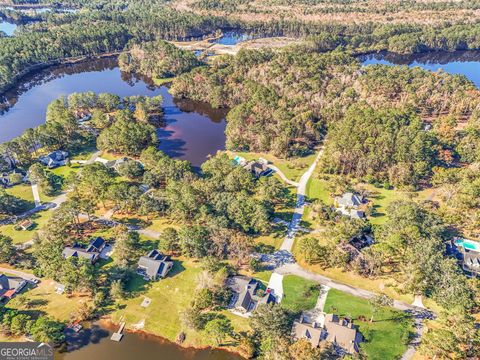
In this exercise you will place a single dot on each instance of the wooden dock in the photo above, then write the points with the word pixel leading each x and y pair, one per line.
pixel 117 336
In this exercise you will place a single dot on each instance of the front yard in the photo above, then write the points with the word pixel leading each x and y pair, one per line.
pixel 386 337
pixel 299 294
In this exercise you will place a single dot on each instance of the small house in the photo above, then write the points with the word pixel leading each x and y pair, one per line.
pixel 54 159
pixel 26 225
pixel 154 265
pixel 246 296
pixel 258 169
pixel 96 244
pixel 91 252
pixel 10 286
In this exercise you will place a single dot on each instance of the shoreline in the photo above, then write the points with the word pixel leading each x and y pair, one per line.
pixel 17 79
pixel 108 324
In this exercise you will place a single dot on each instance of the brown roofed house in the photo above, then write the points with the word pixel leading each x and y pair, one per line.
pixel 305 330
pixel 342 333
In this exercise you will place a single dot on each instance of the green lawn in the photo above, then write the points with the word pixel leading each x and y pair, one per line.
pixel 20 236
pixel 170 297
pixel 317 189
pixel 24 192
pixel 299 294
pixel 386 337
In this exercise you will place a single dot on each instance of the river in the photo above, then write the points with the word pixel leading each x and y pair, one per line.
pixel 459 62
pixel 193 130
pixel 95 344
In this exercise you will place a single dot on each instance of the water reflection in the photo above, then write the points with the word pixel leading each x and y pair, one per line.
pixel 7 27
pixel 95 344
pixel 459 62
pixel 192 130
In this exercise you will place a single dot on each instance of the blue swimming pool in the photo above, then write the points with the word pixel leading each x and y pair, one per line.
pixel 468 244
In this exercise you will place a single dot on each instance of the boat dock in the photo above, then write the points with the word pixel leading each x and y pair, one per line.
pixel 117 336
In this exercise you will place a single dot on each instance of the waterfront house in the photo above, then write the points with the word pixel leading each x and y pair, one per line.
pixel 154 265
pixel 339 332
pixel 247 295
pixel 468 253
pixel 54 159
pixel 10 286
pixel 258 169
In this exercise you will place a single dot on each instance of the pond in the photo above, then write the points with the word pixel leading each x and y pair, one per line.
pixel 94 344
pixel 192 130
pixel 459 62
pixel 232 38
pixel 7 28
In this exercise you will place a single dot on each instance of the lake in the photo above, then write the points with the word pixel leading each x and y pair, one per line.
pixel 232 38
pixel 94 343
pixel 459 62
pixel 7 28
pixel 192 130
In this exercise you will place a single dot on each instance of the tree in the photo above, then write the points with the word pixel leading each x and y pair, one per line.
pixel 270 321
pixel 47 330
pixel 218 329
pixel 116 290
pixel 379 301
pixel 194 241
pixel 20 324
pixel 127 246
pixel 169 241
pixel 7 250
pixel 302 349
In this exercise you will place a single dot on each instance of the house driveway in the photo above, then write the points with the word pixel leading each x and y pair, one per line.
pixel 275 284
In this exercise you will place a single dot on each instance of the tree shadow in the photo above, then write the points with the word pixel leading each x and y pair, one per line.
pixel 86 336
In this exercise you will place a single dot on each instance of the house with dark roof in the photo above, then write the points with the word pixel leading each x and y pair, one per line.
pixel 154 265
pixel 10 286
pixel 246 296
pixel 340 332
pixel 258 169
pixel 54 159
pixel 91 252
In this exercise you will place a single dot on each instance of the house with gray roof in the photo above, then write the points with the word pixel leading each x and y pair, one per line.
pixel 154 265
pixel 246 296
pixel 348 204
pixel 54 159
pixel 339 332
pixel 10 286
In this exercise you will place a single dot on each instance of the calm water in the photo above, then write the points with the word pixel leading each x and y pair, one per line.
pixel 460 62
pixel 192 132
pixel 7 28
pixel 232 38
pixel 95 344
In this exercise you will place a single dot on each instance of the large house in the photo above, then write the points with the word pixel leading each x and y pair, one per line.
pixel 154 265
pixel 349 203
pixel 54 159
pixel 10 286
pixel 91 252
pixel 468 253
pixel 246 296
pixel 340 332
pixel 258 169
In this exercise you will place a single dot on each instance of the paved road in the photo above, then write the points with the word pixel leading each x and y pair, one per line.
pixel 36 195
pixel 18 273
pixel 282 175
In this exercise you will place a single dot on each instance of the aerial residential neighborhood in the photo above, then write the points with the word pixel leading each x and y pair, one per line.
pixel 227 180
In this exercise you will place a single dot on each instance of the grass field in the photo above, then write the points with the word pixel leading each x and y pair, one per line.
pixel 299 294
pixel 386 337
pixel 44 300
pixel 170 296
pixel 317 189
pixel 24 192
pixel 20 236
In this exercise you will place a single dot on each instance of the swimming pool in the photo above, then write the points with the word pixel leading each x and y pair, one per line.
pixel 468 244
